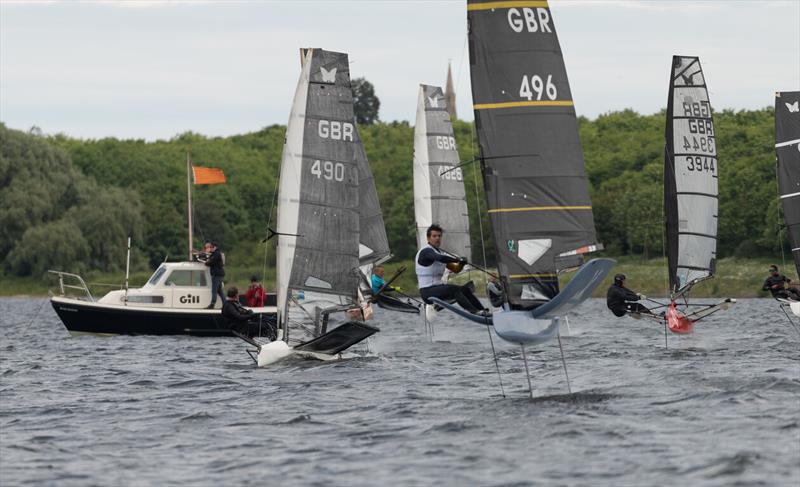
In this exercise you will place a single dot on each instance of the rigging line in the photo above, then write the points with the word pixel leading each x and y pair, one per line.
pixel 461 62
pixel 476 159
pixel 791 321
pixel 266 247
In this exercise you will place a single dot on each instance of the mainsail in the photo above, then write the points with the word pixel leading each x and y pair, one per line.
pixel 318 199
pixel 787 150
pixel 690 177
pixel 531 155
pixel 438 181
pixel 374 245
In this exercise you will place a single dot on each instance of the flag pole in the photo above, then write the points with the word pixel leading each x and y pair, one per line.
pixel 189 193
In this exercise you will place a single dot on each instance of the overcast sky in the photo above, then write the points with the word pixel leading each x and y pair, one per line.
pixel 152 70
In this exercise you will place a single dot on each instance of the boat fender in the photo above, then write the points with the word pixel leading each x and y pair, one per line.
pixel 272 352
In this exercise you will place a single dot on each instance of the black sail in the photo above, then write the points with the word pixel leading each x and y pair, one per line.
pixel 690 177
pixel 531 154
pixel 787 150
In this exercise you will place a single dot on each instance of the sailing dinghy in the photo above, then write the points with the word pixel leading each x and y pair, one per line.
pixel 318 219
pixel 690 193
pixel 787 151
pixel 533 170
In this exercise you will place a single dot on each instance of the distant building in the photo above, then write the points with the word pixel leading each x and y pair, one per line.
pixel 450 95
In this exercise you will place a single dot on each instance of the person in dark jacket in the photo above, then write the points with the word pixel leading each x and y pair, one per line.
pixel 621 300
pixel 776 284
pixel 214 261
pixel 243 320
pixel 430 264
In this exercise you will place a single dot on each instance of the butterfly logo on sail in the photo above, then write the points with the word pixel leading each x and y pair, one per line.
pixel 433 101
pixel 328 76
pixel 793 107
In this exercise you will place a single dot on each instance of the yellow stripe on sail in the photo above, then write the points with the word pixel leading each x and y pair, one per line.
pixel 526 276
pixel 507 4
pixel 540 208
pixel 517 104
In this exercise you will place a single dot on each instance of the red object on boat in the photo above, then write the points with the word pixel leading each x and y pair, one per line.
pixel 677 322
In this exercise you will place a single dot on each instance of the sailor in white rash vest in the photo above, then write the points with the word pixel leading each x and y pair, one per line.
pixel 430 264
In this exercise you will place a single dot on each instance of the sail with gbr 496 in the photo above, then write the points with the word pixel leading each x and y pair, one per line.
pixel 533 169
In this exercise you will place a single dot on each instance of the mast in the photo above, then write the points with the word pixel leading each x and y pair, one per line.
pixel 439 195
pixel 690 177
pixel 787 151
pixel 189 197
pixel 531 155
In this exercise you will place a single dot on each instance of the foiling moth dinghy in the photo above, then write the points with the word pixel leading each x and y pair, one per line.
pixel 533 172
pixel 691 170
pixel 318 219
pixel 787 151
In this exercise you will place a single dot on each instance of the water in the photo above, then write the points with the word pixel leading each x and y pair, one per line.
pixel 719 408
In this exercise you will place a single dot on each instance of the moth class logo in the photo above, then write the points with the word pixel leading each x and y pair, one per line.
pixel 793 107
pixel 433 102
pixel 328 76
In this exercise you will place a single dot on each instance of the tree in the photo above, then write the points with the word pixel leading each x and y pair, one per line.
pixel 365 103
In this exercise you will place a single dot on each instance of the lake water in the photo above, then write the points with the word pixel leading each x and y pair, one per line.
pixel 720 407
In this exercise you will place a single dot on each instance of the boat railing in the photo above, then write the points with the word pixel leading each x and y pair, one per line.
pixel 73 281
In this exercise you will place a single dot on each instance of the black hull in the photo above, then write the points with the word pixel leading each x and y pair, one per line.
pixel 395 304
pixel 91 318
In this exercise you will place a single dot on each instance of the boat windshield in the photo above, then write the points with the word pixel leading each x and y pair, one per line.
pixel 157 275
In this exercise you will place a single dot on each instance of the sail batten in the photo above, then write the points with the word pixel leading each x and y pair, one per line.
pixel 690 177
pixel 531 155
pixel 787 151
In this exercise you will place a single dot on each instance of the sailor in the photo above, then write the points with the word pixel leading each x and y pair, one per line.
pixel 254 296
pixel 378 282
pixel 776 284
pixel 241 319
pixel 215 262
pixel 430 264
pixel 619 298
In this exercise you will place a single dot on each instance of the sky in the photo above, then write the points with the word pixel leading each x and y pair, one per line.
pixel 154 69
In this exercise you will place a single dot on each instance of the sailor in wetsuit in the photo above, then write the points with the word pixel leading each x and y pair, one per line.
pixel 619 298
pixel 776 284
pixel 243 320
pixel 430 264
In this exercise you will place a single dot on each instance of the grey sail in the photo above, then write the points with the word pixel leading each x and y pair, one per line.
pixel 438 181
pixel 690 177
pixel 787 150
pixel 374 245
pixel 531 155
pixel 318 215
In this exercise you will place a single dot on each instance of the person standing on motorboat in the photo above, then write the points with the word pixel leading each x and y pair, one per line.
pixel 776 285
pixel 215 262
pixel 621 300
pixel 430 264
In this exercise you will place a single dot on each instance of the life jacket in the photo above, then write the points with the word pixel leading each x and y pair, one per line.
pixel 432 274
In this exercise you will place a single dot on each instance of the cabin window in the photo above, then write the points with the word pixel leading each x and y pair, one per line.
pixel 146 299
pixel 157 275
pixel 187 278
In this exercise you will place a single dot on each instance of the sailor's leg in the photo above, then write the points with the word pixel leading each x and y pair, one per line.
pixel 470 296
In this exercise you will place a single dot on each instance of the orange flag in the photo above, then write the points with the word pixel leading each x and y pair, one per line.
pixel 208 175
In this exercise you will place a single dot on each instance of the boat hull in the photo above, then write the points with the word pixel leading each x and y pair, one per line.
pixel 81 317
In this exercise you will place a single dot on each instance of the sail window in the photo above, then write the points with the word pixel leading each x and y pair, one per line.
pixel 187 278
pixel 312 281
pixel 531 250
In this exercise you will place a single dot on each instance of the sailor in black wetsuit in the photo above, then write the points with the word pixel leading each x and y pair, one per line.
pixel 776 284
pixel 619 298
pixel 430 264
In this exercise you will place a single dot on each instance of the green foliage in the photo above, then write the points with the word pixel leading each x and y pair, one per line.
pixel 70 203
pixel 365 103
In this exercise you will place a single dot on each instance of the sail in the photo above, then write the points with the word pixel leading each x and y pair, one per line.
pixel 438 181
pixel 317 256
pixel 690 177
pixel 374 245
pixel 787 149
pixel 531 154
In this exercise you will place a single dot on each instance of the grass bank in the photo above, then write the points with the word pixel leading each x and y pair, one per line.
pixel 736 278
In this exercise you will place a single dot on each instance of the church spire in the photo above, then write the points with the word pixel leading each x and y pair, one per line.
pixel 450 94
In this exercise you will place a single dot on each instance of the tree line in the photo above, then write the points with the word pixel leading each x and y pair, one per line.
pixel 70 203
